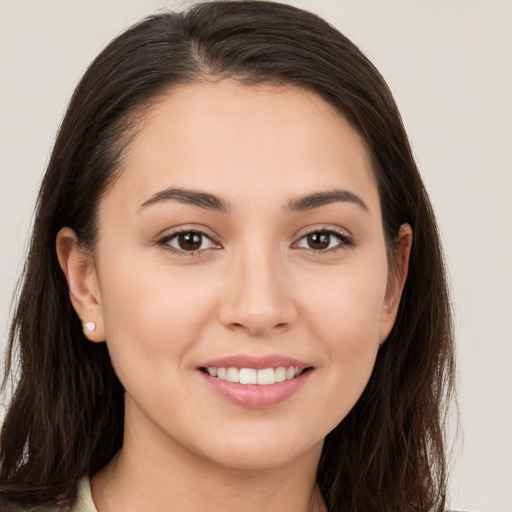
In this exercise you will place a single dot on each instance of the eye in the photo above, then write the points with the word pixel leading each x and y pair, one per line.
pixel 323 240
pixel 187 241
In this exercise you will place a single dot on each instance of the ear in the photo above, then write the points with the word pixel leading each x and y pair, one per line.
pixel 396 280
pixel 79 268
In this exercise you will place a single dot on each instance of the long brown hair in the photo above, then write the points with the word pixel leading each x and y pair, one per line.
pixel 65 418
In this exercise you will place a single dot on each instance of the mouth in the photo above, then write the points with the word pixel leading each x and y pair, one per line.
pixel 256 382
pixel 258 376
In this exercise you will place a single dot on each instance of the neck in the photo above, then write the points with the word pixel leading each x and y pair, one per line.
pixel 153 474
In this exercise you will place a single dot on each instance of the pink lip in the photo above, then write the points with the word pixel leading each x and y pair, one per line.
pixel 256 362
pixel 253 395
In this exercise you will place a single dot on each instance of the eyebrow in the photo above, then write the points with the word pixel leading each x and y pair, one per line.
pixel 317 199
pixel 190 197
pixel 212 202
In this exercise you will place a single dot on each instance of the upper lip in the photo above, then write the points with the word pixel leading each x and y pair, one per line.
pixel 256 362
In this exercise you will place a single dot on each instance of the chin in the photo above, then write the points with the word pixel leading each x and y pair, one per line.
pixel 251 452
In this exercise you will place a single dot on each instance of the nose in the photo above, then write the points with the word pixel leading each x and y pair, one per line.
pixel 258 297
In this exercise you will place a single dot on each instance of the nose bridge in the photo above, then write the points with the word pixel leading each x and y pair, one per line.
pixel 257 296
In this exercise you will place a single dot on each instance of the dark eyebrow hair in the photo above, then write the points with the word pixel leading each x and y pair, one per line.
pixel 213 202
pixel 191 197
pixel 317 199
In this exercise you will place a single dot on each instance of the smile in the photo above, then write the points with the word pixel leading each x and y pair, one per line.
pixel 262 377
pixel 255 381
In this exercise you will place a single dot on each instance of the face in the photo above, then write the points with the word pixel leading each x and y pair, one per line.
pixel 240 275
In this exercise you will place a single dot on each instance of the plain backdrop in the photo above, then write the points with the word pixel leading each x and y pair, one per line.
pixel 449 65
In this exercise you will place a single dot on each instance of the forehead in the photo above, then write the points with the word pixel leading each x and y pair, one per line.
pixel 230 138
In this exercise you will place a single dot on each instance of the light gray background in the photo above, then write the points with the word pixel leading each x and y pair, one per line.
pixel 449 65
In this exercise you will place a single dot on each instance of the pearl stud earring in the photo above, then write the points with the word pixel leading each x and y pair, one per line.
pixel 88 327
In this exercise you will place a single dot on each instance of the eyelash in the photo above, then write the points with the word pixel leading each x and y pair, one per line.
pixel 164 242
pixel 345 241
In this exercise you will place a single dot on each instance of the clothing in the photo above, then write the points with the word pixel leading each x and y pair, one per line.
pixel 84 501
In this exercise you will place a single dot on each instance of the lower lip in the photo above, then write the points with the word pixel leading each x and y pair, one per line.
pixel 256 396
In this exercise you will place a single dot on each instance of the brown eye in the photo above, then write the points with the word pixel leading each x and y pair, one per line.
pixel 319 241
pixel 187 242
pixel 190 241
pixel 324 240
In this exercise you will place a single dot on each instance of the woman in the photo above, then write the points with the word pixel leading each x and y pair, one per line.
pixel 235 292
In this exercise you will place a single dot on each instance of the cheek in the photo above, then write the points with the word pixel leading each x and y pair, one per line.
pixel 343 314
pixel 346 306
pixel 150 311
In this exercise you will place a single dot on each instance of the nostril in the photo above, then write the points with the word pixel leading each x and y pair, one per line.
pixel 237 325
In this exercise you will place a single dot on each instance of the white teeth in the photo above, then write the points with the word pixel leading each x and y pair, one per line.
pixel 281 374
pixel 233 375
pixel 266 376
pixel 248 376
pixel 263 377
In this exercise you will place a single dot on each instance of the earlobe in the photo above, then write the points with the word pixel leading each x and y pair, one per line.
pixel 396 279
pixel 80 272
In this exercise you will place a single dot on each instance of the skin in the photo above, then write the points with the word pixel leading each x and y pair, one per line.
pixel 256 286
